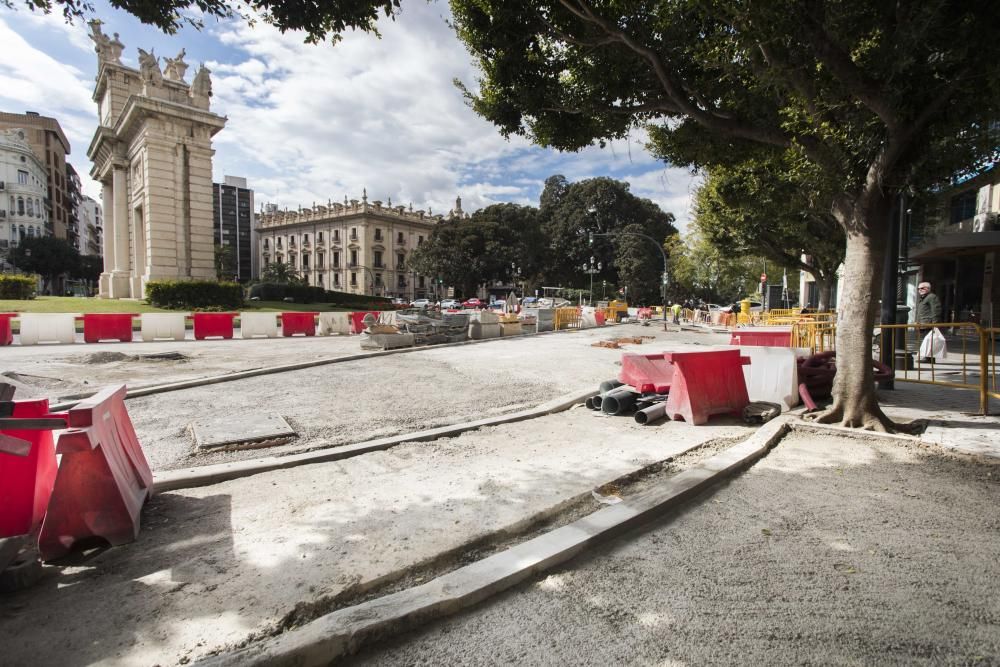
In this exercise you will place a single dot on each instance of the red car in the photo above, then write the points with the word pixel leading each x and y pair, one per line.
pixel 472 303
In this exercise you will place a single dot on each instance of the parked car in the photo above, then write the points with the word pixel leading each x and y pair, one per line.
pixel 472 303
pixel 421 303
pixel 450 303
pixel 755 307
pixel 399 301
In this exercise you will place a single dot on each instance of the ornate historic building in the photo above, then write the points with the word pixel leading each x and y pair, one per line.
pixel 23 191
pixel 358 246
pixel 153 154
pixel 46 140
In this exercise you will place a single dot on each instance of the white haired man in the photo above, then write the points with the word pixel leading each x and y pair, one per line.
pixel 928 312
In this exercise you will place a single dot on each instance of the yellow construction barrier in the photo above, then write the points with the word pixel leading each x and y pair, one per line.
pixel 567 318
pixel 970 361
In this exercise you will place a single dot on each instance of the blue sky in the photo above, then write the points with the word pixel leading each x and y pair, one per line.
pixel 309 123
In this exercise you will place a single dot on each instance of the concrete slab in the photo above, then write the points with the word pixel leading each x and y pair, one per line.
pixel 234 431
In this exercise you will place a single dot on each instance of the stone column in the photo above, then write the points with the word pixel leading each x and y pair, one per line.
pixel 107 241
pixel 120 283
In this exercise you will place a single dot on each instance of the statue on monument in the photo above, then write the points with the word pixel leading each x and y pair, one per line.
pixel 149 68
pixel 108 50
pixel 201 87
pixel 176 67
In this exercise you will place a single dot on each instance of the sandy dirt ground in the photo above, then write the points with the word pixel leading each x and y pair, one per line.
pixel 214 565
pixel 831 550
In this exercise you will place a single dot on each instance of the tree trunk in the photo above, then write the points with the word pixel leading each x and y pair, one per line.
pixel 855 403
pixel 824 285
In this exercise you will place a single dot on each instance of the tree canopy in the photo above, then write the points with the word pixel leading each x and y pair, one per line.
pixel 47 256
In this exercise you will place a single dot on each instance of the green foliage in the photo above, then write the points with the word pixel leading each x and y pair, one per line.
pixel 317 19
pixel 90 268
pixel 47 256
pixel 301 293
pixel 225 262
pixel 16 287
pixel 700 270
pixel 280 273
pixel 194 294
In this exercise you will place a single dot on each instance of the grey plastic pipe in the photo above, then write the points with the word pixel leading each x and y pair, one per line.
pixel 652 413
pixel 618 401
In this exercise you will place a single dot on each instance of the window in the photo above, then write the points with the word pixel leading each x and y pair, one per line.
pixel 319 260
pixel 354 279
pixel 20 206
pixel 319 279
pixel 319 237
pixel 265 244
pixel 400 261
pixel 305 262
pixel 38 207
pixel 378 259
pixel 420 239
pixel 354 258
pixel 291 261
pixel 336 280
pixel 336 236
pixel 378 234
pixel 305 239
pixel 420 282
pixel 378 280
pixel 399 237
pixel 22 177
pixel 31 208
pixel 354 233
pixel 400 281
pixel 963 206
pixel 267 261
pixel 336 260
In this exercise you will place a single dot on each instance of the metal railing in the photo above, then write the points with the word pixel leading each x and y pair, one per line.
pixel 969 360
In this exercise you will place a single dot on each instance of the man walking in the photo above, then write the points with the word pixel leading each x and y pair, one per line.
pixel 929 312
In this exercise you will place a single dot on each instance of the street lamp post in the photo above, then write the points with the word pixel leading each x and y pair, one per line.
pixel 592 269
pixel 663 286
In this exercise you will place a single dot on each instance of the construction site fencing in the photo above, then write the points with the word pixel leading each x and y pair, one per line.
pixel 968 362
pixel 567 318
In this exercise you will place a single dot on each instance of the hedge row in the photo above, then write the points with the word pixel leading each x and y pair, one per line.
pixel 194 294
pixel 312 294
pixel 17 287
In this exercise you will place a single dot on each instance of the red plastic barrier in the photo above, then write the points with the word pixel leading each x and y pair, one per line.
pixel 705 384
pixel 27 470
pixel 298 323
pixel 765 337
pixel 357 320
pixel 107 326
pixel 213 325
pixel 6 333
pixel 645 313
pixel 599 317
pixel 103 478
pixel 646 373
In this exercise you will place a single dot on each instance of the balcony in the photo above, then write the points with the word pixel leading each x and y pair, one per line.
pixel 379 265
pixel 970 236
pixel 320 243
pixel 354 237
pixel 400 240
pixel 353 265
pixel 336 239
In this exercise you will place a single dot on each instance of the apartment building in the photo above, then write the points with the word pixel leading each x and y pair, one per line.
pixel 23 188
pixel 233 212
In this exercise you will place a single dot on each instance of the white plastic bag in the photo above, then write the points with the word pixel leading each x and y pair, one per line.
pixel 934 345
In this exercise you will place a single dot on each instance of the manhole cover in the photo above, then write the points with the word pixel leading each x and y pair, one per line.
pixel 243 430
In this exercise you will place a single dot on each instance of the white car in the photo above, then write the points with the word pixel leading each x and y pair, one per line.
pixel 421 303
pixel 450 304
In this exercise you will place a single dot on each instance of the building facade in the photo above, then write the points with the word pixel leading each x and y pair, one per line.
pixel 91 227
pixel 47 141
pixel 233 213
pixel 956 249
pixel 359 246
pixel 23 189
pixel 152 152
pixel 74 194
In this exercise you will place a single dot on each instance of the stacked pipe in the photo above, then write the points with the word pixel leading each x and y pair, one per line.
pixel 616 398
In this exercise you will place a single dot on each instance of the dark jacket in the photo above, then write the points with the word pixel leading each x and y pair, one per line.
pixel 928 309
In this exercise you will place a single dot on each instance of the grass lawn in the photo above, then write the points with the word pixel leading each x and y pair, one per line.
pixel 72 304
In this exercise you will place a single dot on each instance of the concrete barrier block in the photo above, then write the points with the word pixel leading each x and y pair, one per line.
pixel 47 328
pixel 480 331
pixel 258 324
pixel 510 329
pixel 162 326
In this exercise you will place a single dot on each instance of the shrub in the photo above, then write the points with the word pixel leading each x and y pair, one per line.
pixel 17 287
pixel 194 294
pixel 313 294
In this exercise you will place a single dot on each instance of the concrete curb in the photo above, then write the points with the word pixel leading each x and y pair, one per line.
pixel 187 478
pixel 70 401
pixel 343 632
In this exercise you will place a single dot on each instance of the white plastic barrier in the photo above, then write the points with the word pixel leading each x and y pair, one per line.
pixel 47 328
pixel 588 320
pixel 334 323
pixel 162 326
pixel 258 324
pixel 773 374
pixel 387 317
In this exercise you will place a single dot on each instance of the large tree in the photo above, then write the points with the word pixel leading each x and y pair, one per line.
pixel 698 269
pixel 47 256
pixel 762 207
pixel 572 212
pixel 858 90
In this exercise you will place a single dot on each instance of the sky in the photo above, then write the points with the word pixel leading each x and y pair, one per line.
pixel 312 123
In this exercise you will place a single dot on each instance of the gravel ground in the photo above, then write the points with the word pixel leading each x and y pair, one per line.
pixel 339 404
pixel 215 565
pixel 831 550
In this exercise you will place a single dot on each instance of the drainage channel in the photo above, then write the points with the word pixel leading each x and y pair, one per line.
pixel 541 523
